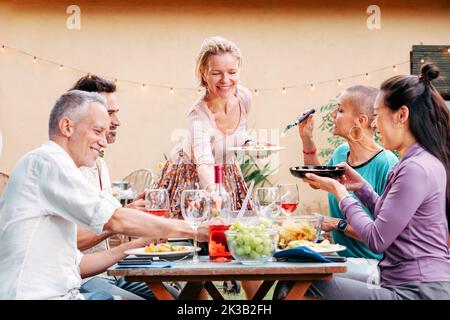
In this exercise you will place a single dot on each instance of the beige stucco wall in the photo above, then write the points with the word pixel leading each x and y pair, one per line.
pixel 284 43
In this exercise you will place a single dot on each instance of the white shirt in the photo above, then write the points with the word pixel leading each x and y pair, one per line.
pixel 46 197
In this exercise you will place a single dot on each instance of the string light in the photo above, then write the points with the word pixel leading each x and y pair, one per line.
pixel 116 82
pixel 448 49
pixel 282 90
pixel 422 60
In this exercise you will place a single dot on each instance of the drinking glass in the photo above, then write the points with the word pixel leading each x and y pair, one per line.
pixel 288 198
pixel 267 202
pixel 195 210
pixel 157 202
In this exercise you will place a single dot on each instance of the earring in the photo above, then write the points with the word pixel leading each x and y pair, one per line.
pixel 350 133
pixel 399 125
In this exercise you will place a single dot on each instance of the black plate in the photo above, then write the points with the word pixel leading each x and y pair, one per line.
pixel 323 171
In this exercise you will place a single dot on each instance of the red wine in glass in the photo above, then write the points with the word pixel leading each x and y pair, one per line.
pixel 158 212
pixel 289 207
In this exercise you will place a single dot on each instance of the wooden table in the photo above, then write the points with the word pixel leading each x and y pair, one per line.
pixel 201 276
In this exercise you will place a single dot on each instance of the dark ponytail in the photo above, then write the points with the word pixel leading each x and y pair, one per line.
pixel 429 115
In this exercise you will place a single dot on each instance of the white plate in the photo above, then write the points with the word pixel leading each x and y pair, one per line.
pixel 178 239
pixel 257 152
pixel 332 248
pixel 140 252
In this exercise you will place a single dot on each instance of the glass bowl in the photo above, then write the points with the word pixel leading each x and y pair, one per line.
pixel 255 245
pixel 300 227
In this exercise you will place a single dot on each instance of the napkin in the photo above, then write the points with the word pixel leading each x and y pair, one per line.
pixel 142 265
pixel 300 254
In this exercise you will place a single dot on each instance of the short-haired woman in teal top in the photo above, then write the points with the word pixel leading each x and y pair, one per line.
pixel 352 121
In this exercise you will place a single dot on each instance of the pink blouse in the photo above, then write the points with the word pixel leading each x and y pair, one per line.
pixel 208 144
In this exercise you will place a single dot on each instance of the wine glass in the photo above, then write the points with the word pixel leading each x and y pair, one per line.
pixel 267 202
pixel 195 210
pixel 157 202
pixel 289 198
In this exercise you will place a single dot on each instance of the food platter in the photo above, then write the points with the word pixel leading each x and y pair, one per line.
pixel 257 150
pixel 325 247
pixel 142 252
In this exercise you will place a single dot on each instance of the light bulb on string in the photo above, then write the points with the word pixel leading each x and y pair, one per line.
pixel 284 90
pixel 367 75
pixel 34 59
pixel 143 87
pixel 116 82
pixel 394 67
pixel 422 60
pixel 339 82
pixel 256 92
pixel 61 67
pixel 171 91
pixel 2 49
pixel 199 92
pixel 312 86
pixel 448 50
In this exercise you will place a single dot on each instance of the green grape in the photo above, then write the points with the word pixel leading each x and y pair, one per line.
pixel 239 251
pixel 267 242
pixel 251 242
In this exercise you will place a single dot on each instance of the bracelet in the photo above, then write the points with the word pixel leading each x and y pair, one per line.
pixel 310 152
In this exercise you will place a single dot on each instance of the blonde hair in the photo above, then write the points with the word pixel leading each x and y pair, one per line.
pixel 210 47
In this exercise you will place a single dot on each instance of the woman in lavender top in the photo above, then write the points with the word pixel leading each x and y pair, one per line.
pixel 411 215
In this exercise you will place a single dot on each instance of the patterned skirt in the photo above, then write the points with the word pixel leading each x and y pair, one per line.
pixel 181 174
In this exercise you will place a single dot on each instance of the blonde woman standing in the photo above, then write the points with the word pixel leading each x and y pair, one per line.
pixel 216 122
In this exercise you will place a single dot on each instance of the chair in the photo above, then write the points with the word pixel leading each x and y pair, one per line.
pixel 140 180
pixel 3 180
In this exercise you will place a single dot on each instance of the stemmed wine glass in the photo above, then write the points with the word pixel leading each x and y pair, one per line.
pixel 157 203
pixel 267 202
pixel 195 210
pixel 289 198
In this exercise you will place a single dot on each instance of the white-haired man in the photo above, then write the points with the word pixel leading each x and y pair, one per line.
pixel 47 197
pixel 90 242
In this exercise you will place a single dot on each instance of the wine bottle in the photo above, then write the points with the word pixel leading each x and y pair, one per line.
pixel 220 199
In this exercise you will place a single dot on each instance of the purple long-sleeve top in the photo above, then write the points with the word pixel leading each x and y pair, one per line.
pixel 410 225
